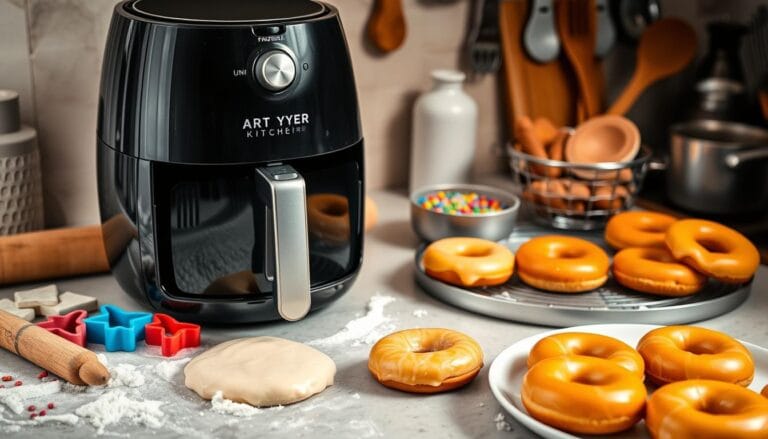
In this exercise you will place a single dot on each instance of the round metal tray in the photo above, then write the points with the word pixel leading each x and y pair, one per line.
pixel 611 303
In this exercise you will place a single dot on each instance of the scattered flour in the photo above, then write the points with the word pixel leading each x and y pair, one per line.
pixel 227 407
pixel 14 397
pixel 125 375
pixel 15 426
pixel 501 423
pixel 419 313
pixel 356 395
pixel 364 330
pixel 168 369
pixel 114 406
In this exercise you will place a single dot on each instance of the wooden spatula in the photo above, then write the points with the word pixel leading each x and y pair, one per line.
pixel 576 21
pixel 386 27
pixel 665 48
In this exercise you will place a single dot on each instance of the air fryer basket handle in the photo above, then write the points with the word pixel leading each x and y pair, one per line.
pixel 283 191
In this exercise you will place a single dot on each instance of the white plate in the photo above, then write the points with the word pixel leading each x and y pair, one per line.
pixel 506 374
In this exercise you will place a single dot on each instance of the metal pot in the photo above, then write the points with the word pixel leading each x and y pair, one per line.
pixel 718 167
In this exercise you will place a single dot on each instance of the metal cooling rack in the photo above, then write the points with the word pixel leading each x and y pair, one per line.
pixel 611 303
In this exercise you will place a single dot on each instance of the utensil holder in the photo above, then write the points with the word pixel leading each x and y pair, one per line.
pixel 547 188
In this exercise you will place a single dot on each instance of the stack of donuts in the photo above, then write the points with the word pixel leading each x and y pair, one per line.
pixel 593 384
pixel 552 187
pixel 657 254
pixel 661 255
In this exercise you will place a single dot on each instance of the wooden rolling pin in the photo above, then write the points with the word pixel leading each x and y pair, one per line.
pixel 48 254
pixel 53 353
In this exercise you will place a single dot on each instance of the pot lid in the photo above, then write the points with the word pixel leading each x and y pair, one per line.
pixel 228 11
pixel 722 133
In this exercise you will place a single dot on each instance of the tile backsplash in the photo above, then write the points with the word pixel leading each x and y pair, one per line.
pixel 51 52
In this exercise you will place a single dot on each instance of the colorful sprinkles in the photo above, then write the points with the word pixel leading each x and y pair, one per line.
pixel 459 203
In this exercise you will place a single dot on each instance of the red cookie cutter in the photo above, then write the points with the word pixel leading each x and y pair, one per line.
pixel 69 326
pixel 171 335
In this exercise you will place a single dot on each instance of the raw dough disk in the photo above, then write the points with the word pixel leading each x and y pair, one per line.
pixel 261 371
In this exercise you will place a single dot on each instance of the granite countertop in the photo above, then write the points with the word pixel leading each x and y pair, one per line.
pixel 356 406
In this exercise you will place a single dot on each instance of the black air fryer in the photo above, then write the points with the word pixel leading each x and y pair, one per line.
pixel 218 119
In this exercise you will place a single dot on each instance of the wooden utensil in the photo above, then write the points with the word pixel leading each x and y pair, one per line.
pixel 52 253
pixel 576 20
pixel 386 27
pixel 69 361
pixel 665 48
pixel 532 89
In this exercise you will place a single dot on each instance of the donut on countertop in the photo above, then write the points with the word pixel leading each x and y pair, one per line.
pixel 713 249
pixel 677 353
pixel 655 271
pixel 425 360
pixel 764 392
pixel 589 345
pixel 468 262
pixel 699 409
pixel 562 264
pixel 637 229
pixel 584 395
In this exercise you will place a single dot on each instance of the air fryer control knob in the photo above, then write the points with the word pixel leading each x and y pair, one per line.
pixel 275 70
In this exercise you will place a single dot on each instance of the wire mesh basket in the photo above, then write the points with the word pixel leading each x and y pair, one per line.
pixel 574 196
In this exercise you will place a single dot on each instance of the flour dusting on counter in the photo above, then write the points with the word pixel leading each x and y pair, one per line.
pixel 501 423
pixel 14 397
pixel 114 406
pixel 227 407
pixel 168 369
pixel 419 313
pixel 15 426
pixel 363 330
pixel 125 375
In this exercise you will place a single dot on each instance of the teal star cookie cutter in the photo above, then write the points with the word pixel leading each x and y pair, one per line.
pixel 117 329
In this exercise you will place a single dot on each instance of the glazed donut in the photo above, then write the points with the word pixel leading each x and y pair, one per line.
pixel 583 395
pixel 713 249
pixel 589 345
pixel 677 353
pixel 468 262
pixel 562 264
pixel 637 229
pixel 425 360
pixel 696 409
pixel 655 271
pixel 328 217
pixel 764 392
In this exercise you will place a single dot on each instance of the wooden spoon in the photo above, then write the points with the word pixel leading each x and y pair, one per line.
pixel 576 21
pixel 386 27
pixel 666 47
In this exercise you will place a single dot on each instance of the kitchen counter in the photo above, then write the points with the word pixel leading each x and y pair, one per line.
pixel 356 406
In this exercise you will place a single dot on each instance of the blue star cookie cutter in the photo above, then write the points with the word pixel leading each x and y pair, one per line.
pixel 117 329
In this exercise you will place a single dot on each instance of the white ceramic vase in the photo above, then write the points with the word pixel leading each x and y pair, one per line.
pixel 444 133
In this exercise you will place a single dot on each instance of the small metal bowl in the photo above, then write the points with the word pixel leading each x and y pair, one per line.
pixel 431 226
